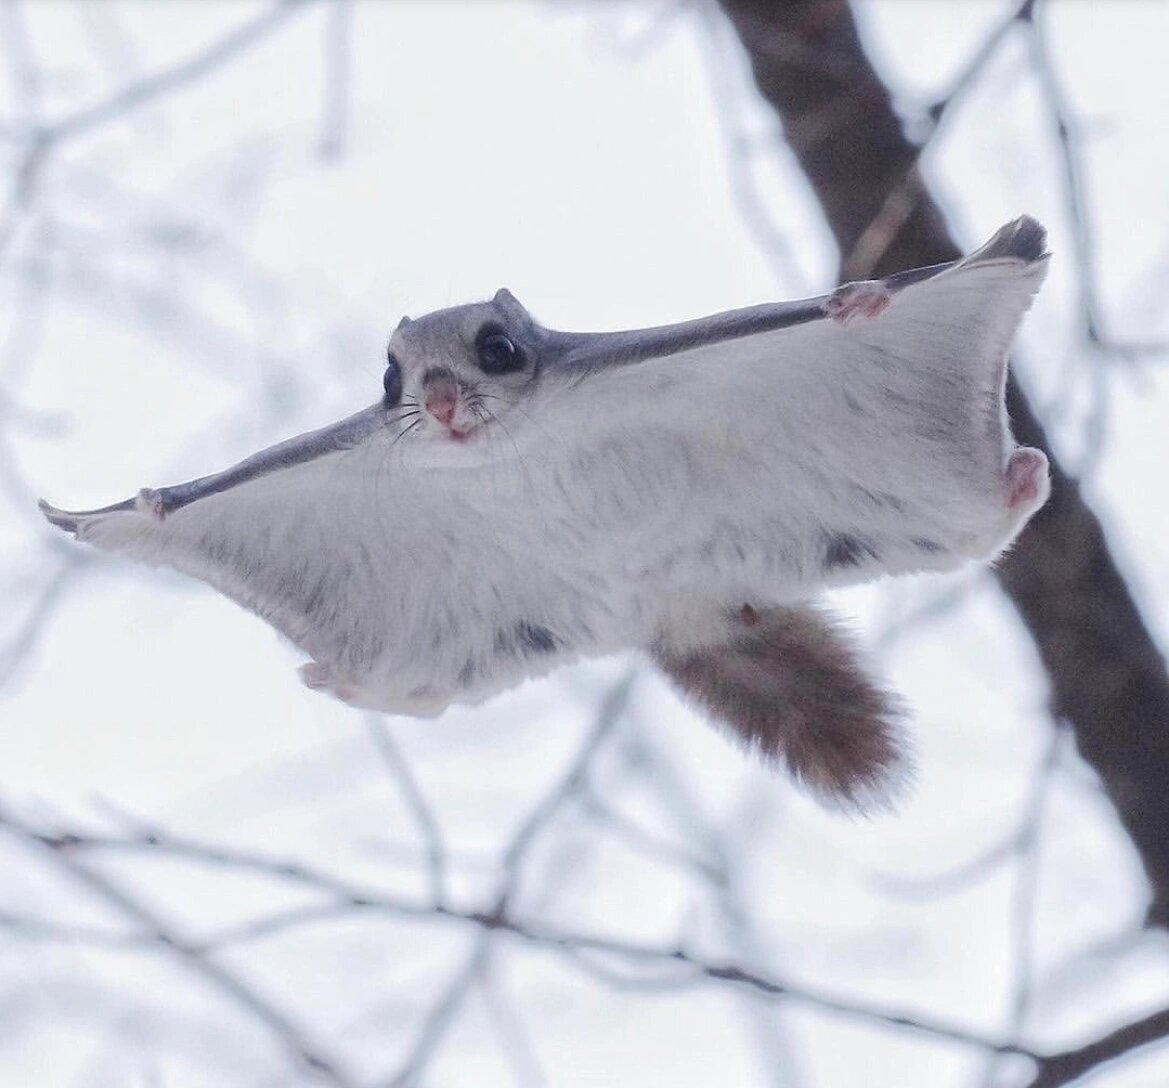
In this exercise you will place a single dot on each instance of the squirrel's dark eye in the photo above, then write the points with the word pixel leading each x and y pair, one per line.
pixel 496 352
pixel 392 382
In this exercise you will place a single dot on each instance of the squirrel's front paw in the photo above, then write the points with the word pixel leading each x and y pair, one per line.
pixel 866 298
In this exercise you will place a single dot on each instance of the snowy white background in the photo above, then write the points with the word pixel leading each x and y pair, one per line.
pixel 191 280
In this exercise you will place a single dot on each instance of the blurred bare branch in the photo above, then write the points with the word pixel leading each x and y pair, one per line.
pixel 743 156
pixel 688 968
pixel 1071 1065
pixel 149 89
pixel 1019 846
pixel 574 781
pixel 24 72
pixel 903 198
pixel 1068 138
pixel 442 1015
pixel 478 960
pixel 231 985
pixel 424 816
pixel 26 633
pixel 1025 894
pixel 37 137
pixel 338 63
pixel 514 1040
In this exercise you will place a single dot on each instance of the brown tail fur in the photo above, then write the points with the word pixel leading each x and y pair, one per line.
pixel 789 686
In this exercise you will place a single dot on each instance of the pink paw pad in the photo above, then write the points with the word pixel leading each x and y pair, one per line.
pixel 316 677
pixel 868 298
pixel 1025 476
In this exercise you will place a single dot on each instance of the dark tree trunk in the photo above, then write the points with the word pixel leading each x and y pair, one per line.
pixel 1106 674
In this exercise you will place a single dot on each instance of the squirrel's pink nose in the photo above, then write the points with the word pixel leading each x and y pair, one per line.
pixel 442 408
pixel 442 398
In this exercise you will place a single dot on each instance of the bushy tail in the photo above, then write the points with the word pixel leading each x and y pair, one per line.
pixel 789 686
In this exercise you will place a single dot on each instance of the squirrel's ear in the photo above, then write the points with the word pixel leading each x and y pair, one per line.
pixel 788 684
pixel 509 304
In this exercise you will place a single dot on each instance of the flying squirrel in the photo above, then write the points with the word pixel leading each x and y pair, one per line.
pixel 520 498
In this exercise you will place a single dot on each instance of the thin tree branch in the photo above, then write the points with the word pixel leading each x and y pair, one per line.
pixel 514 1040
pixel 27 635
pixel 446 1009
pixel 1067 139
pixel 1057 1070
pixel 149 89
pixel 293 1038
pixel 984 864
pixel 1024 895
pixel 403 777
pixel 902 199
pixel 442 1016
pixel 570 784
pixel 338 78
pixel 689 968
